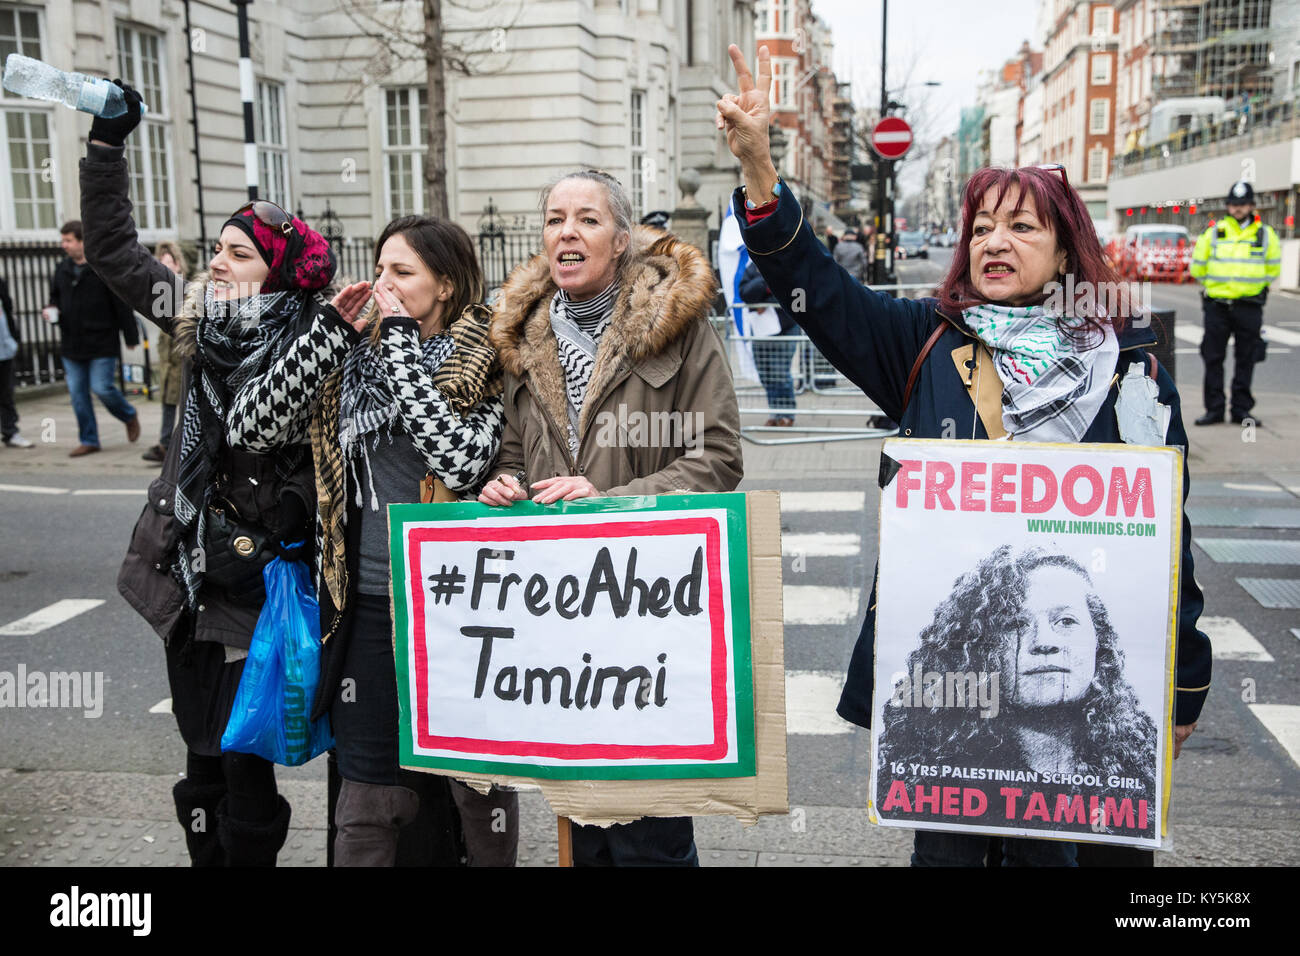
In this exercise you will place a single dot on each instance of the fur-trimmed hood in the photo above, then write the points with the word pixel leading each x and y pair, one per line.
pixel 664 286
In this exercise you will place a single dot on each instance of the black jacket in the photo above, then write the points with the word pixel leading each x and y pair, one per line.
pixel 8 304
pixel 90 316
pixel 753 289
pixel 145 578
pixel 874 340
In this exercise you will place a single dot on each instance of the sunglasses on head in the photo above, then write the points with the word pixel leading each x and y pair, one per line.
pixel 1055 168
pixel 268 213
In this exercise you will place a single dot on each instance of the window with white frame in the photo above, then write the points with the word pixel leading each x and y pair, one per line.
pixel 1099 116
pixel 406 123
pixel 26 164
pixel 783 83
pixel 636 138
pixel 1097 164
pixel 782 16
pixel 148 153
pixel 1101 20
pixel 272 145
pixel 1100 69
pixel 763 17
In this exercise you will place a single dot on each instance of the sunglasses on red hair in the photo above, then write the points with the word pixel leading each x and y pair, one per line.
pixel 1055 168
pixel 268 213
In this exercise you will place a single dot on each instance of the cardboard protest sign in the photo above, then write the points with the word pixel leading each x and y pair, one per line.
pixel 609 640
pixel 1025 627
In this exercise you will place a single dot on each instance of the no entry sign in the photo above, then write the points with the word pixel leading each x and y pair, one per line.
pixel 891 137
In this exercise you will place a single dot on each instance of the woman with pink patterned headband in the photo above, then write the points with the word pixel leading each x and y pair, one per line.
pixel 237 485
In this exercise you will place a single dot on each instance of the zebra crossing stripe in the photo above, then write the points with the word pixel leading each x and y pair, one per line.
pixel 1231 641
pixel 810 699
pixel 821 545
pixel 48 617
pixel 814 604
pixel 1283 722
pixel 823 501
pixel 163 706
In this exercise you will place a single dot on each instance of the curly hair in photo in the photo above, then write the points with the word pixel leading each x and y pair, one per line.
pixel 1110 731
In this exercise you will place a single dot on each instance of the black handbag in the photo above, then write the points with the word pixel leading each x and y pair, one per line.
pixel 235 553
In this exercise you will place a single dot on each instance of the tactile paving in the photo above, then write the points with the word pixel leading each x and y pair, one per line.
pixel 1273 592
pixel 1250 551
pixel 1217 516
pixel 56 840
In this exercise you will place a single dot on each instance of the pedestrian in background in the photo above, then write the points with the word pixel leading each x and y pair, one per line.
pixel 1234 260
pixel 90 319
pixel 772 359
pixel 8 355
pixel 169 359
pixel 851 256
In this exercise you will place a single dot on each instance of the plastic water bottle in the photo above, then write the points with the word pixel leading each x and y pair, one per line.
pixel 90 94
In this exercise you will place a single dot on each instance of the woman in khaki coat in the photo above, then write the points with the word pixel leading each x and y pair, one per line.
pixel 616 384
pixel 172 256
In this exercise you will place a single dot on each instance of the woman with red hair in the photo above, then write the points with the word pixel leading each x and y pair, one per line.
pixel 999 354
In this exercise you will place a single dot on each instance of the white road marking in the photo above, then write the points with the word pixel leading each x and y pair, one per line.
pixel 1192 335
pixel 163 706
pixel 48 617
pixel 810 699
pixel 823 500
pixel 1281 336
pixel 1240 487
pixel 1296 632
pixel 34 489
pixel 111 491
pixel 821 545
pixel 813 604
pixel 1283 722
pixel 1231 641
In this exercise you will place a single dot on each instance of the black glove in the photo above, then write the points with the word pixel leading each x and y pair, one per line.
pixel 115 131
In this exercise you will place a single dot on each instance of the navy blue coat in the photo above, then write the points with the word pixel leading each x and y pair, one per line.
pixel 874 340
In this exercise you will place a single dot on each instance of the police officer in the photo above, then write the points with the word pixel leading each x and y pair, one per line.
pixel 1235 260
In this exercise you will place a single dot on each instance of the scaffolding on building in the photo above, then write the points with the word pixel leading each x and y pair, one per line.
pixel 1212 48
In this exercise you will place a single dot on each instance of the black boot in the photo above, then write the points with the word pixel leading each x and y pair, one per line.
pixel 196 811
pixel 253 844
pixel 369 817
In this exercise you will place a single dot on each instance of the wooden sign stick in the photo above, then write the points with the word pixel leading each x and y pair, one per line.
pixel 566 840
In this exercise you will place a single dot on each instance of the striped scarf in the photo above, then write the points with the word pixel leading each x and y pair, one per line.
pixel 469 375
pixel 578 328
pixel 367 405
pixel 1054 381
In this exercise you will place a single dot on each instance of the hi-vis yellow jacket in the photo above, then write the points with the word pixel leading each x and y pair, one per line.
pixel 1234 261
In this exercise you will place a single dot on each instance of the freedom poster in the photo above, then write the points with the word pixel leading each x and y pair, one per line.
pixel 1024 638
pixel 590 640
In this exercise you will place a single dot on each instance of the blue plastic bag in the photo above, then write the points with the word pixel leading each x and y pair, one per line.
pixel 271 715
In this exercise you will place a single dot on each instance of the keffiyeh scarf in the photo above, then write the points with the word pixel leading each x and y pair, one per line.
pixel 1054 381
pixel 367 406
pixel 236 342
pixel 578 328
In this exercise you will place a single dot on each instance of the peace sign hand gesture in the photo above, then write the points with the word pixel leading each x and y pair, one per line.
pixel 745 117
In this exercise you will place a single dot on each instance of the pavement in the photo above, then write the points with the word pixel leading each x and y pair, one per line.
pixel 98 815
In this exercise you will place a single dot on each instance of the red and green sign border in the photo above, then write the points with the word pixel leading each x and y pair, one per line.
pixel 400 540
